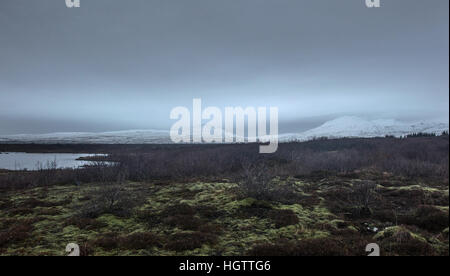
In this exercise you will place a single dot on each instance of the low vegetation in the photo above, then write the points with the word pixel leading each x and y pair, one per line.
pixel 324 197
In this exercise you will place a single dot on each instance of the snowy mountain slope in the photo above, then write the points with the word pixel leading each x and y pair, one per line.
pixel 348 126
pixel 113 137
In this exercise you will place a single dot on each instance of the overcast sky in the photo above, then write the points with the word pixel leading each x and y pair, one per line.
pixel 124 64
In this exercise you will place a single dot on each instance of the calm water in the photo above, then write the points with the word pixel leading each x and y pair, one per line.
pixel 33 161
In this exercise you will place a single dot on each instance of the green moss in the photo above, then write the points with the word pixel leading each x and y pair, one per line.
pixel 116 224
pixel 237 233
pixel 308 217
pixel 416 187
pixel 336 223
pixel 396 230
pixel 352 228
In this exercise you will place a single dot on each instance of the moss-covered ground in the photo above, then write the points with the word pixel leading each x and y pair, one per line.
pixel 214 218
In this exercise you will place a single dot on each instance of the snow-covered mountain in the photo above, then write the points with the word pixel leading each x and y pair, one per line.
pixel 347 126
pixel 113 137
pixel 351 126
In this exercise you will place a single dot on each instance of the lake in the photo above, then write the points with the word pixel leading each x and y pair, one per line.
pixel 33 161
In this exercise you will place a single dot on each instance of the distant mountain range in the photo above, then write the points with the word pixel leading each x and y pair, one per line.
pixel 113 137
pixel 348 126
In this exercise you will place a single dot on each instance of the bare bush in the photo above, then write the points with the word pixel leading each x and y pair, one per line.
pixel 110 198
pixel 363 194
pixel 424 157
pixel 256 180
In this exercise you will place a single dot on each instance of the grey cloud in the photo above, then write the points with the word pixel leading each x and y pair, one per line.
pixel 124 64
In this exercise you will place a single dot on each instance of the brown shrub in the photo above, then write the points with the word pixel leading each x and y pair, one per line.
pixel 21 211
pixel 185 193
pixel 111 199
pixel 362 197
pixel 403 244
pixel 142 240
pixel 148 217
pixel 85 223
pixel 431 218
pixel 273 249
pixel 338 200
pixel 258 209
pixel 256 179
pixel 49 212
pixel 108 241
pixel 63 202
pixel 283 218
pixel 413 248
pixel 404 197
pixel 209 212
pixel 412 157
pixel 385 216
pixel 33 203
pixel 17 232
pixel 85 198
pixel 322 247
pixel 311 247
pixel 210 228
pixel 178 209
pixel 285 193
pixel 309 202
pixel 92 209
pixel 86 249
pixel 181 216
pixel 185 222
pixel 436 198
pixel 135 241
pixel 189 241
pixel 5 203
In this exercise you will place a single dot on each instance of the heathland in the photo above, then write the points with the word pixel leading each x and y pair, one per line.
pixel 322 197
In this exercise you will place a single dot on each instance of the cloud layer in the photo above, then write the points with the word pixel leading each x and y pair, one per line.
pixel 112 65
